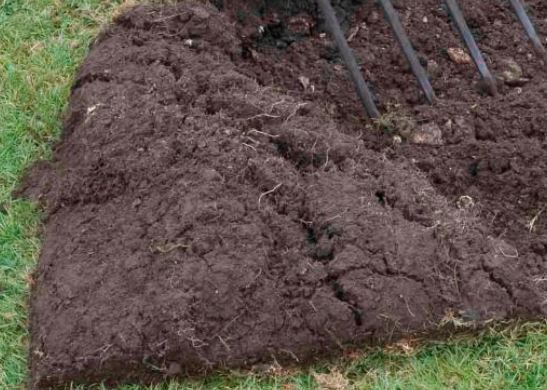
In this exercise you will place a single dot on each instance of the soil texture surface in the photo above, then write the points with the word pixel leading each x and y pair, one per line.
pixel 219 199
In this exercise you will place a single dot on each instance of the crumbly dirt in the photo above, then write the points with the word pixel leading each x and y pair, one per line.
pixel 218 198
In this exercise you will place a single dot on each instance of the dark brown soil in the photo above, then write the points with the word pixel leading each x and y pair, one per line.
pixel 207 211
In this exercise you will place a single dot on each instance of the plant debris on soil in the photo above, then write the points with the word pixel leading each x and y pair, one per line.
pixel 218 198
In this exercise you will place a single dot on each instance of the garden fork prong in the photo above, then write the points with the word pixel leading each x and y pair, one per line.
pixel 458 18
pixel 408 50
pixel 519 9
pixel 365 95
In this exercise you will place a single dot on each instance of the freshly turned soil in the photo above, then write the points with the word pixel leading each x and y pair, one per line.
pixel 219 199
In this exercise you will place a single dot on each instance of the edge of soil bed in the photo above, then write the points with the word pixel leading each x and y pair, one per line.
pixel 146 376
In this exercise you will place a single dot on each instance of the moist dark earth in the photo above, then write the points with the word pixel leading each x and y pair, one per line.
pixel 219 199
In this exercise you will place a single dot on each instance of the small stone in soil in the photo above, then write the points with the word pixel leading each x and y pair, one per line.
pixel 428 134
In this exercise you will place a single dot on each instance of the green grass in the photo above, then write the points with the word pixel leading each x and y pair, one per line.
pixel 41 44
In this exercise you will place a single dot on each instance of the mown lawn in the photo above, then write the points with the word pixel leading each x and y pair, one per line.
pixel 41 44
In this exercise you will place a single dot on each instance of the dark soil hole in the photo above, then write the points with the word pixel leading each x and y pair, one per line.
pixel 324 253
pixel 340 294
pixel 311 236
pixel 381 196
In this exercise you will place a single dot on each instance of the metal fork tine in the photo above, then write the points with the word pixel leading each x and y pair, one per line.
pixel 347 55
pixel 408 50
pixel 528 26
pixel 467 36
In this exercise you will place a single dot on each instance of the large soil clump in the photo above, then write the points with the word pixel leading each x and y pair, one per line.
pixel 218 199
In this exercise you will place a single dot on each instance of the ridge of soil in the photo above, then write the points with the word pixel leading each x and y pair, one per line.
pixel 204 210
